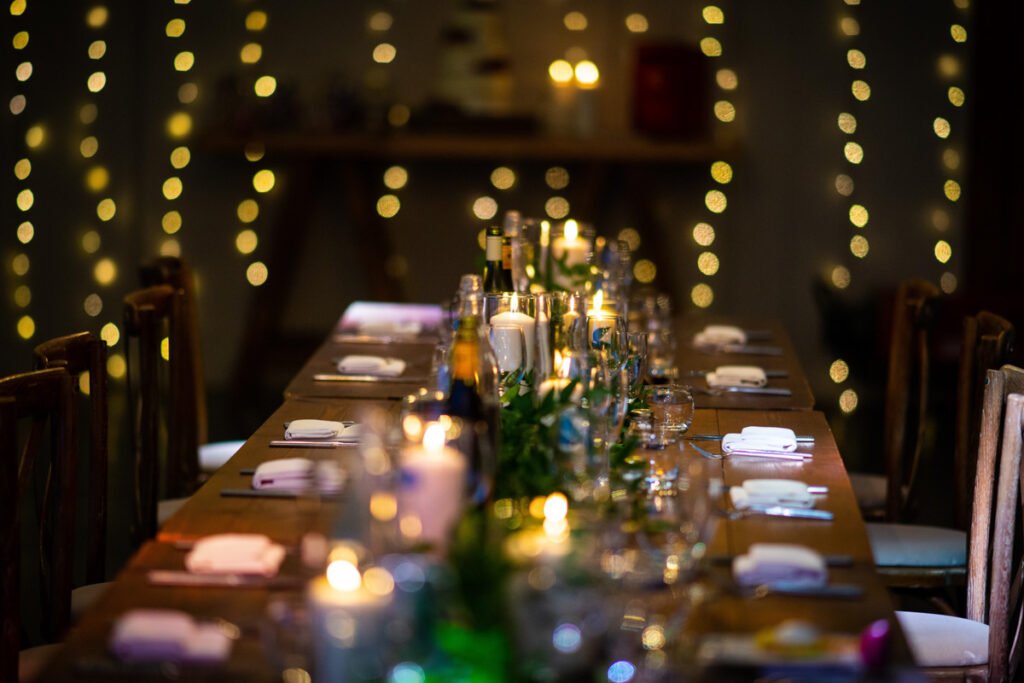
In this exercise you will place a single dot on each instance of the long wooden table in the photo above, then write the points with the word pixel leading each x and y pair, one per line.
pixel 285 521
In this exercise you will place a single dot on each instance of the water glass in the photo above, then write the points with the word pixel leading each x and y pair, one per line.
pixel 672 406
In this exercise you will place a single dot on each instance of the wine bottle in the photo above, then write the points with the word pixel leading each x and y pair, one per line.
pixel 496 278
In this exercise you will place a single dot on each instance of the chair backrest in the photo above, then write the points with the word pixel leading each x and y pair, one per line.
pixel 150 316
pixel 77 354
pixel 994 572
pixel 987 344
pixel 38 398
pixel 906 387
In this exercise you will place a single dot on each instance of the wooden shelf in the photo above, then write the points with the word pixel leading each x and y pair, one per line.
pixel 624 148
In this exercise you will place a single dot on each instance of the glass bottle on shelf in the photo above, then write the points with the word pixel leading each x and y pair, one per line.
pixel 496 278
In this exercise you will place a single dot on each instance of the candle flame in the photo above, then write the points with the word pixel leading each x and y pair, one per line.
pixel 433 437
pixel 344 576
pixel 564 365
pixel 572 230
pixel 545 233
pixel 556 507
pixel 595 307
pixel 513 303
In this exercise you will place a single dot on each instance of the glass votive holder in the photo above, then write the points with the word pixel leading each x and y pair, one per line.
pixel 672 406
pixel 512 310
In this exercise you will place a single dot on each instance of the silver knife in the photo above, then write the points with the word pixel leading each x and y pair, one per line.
pixel 718 437
pixel 793 513
pixel 770 374
pixel 324 377
pixel 171 577
pixel 294 443
pixel 383 339
pixel 765 391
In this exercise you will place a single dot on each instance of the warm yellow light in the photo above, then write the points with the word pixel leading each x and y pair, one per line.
pixel 20 265
pixel 18 7
pixel 89 146
pixel 861 90
pixel 116 366
pixel 179 125
pixel 951 159
pixel 941 127
pixel 849 26
pixel 248 210
pixel 631 237
pixel 25 200
pixel 97 81
pixel 859 246
pixel 853 152
pixel 165 348
pixel 575 21
pixel 22 296
pixel 384 53
pixel 556 506
pixel 943 251
pixel 710 47
pixel 265 86
pixel 702 295
pixel 188 92
pixel 26 231
pixel 91 242
pixel 858 215
pixel 105 271
pixel 26 327
pixel 557 178
pixel 485 208
pixel 398 115
pixel 263 180
pixel 23 71
pixel 636 23
pixel 839 371
pixel 20 40
pixel 571 231
pixel 172 188
pixel 106 209
pixel 388 206
pixel 256 20
pixel 948 66
pixel 97 178
pixel 956 96
pixel 171 222
pixel 180 157
pixel 97 49
pixel 344 576
pixel 481 238
pixel 97 17
pixel 703 234
pixel 713 15
pixel 251 53
pixel 383 506
pixel 721 171
pixel 35 136
pixel 503 178
pixel 848 401
pixel 951 189
pixel 948 283
pixel 856 59
pixel 847 123
pixel 256 273
pixel 110 334
pixel 727 79
pixel 645 271
pixel 725 111
pixel 958 33
pixel 708 263
pixel 396 177
pixel 379 22
pixel 716 201
pixel 587 74
pixel 940 219
pixel 254 151
pixel 841 277
pixel 18 104
pixel 844 185
pixel 175 28
pixel 246 241
pixel 556 207
pixel 170 247
pixel 183 61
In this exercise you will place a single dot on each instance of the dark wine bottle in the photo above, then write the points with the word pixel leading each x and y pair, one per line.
pixel 496 278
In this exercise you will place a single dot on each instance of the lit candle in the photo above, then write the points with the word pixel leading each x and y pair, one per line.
pixel 549 543
pixel 431 487
pixel 561 381
pixel 600 318
pixel 563 97
pixel 502 325
pixel 574 248
pixel 587 80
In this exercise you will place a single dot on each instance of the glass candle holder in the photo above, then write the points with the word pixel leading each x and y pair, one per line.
pixel 509 315
pixel 570 255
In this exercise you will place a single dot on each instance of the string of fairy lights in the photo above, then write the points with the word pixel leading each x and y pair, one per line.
pixel 950 72
pixel 853 154
pixel 35 136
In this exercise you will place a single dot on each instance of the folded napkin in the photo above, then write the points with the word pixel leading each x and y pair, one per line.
pixel 298 475
pixel 235 554
pixel 382 328
pixel 737 376
pixel 720 335
pixel 163 635
pixel 371 365
pixel 765 492
pixel 795 566
pixel 760 440
pixel 321 430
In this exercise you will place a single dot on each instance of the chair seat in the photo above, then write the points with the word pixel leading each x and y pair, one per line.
pixel 911 545
pixel 869 490
pixel 941 640
pixel 32 660
pixel 212 456
pixel 84 597
pixel 166 509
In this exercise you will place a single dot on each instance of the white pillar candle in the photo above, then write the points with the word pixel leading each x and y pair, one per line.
pixel 544 359
pixel 599 318
pixel 432 486
pixel 571 246
pixel 509 344
pixel 521 320
pixel 348 623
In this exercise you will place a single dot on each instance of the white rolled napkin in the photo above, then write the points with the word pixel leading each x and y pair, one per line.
pixel 796 566
pixel 760 440
pixel 764 492
pixel 397 328
pixel 321 430
pixel 235 554
pixel 371 365
pixel 298 475
pixel 737 376
pixel 720 335
pixel 164 635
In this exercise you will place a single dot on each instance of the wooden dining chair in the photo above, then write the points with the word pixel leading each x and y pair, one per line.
pixel 175 271
pixel 986 644
pixel 33 404
pixel 161 400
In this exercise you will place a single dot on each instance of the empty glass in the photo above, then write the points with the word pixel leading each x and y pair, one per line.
pixel 672 406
